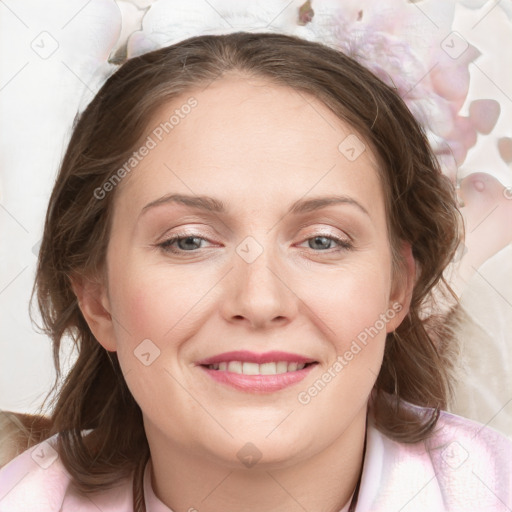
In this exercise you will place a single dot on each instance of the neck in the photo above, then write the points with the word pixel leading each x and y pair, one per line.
pixel 193 481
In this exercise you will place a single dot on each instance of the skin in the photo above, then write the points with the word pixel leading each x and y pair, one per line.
pixel 258 148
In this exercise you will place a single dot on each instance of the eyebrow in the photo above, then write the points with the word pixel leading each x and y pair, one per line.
pixel 211 204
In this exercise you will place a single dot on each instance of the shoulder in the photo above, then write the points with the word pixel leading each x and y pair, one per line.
pixel 462 466
pixel 458 442
pixel 473 460
pixel 474 437
pixel 37 481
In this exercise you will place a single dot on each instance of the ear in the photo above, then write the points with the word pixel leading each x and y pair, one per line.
pixel 402 288
pixel 95 306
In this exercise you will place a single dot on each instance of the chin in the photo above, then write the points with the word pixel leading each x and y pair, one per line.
pixel 259 450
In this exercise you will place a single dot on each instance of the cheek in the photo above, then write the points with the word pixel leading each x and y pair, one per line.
pixel 162 303
pixel 352 305
pixel 348 301
pixel 156 302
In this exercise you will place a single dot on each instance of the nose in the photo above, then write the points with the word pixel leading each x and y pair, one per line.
pixel 259 293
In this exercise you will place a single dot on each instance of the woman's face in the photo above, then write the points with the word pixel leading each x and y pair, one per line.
pixel 284 261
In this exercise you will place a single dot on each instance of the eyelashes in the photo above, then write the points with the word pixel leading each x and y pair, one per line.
pixel 167 245
pixel 171 245
pixel 343 244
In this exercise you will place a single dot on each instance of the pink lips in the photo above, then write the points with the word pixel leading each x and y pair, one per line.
pixel 253 357
pixel 257 383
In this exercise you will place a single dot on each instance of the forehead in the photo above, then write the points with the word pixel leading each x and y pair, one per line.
pixel 246 136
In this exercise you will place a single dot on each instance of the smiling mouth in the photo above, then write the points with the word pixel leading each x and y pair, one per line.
pixel 251 368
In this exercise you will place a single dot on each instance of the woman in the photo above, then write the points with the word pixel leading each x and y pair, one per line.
pixel 243 241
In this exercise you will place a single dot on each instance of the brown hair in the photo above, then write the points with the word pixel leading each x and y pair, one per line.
pixel 421 209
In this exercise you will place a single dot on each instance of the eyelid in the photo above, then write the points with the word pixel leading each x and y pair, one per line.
pixel 326 231
pixel 324 225
pixel 186 232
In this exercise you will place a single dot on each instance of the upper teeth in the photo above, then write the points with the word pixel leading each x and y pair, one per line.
pixel 257 369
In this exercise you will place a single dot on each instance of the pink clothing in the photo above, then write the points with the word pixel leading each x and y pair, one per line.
pixel 463 467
